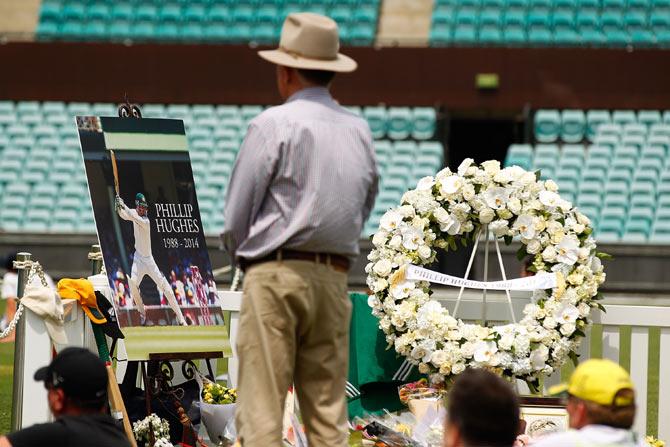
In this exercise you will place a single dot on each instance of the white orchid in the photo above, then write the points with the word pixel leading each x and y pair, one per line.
pixel 484 351
pixel 496 197
pixel 525 225
pixel 549 199
pixel 568 250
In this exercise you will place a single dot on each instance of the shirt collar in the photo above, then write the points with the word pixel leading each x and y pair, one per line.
pixel 310 93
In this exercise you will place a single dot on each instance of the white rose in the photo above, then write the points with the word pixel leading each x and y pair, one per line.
pixel 514 205
pixel 499 227
pixel 382 267
pixel 412 238
pixel 373 301
pixel 486 215
pixel 448 221
pixel 503 176
pixel 549 254
pixel 423 368
pixel 395 242
pixel 407 211
pixel 539 356
pixel 533 247
pixel 549 199
pixel 425 184
pixel 549 323
pixel 457 368
pixel 568 329
pixel 380 238
pixel 578 228
pixel 492 167
pixel 424 252
pixel 451 185
pixel 438 358
pixel 551 185
pixel 468 191
pixel 465 164
pixel 379 285
pixel 504 213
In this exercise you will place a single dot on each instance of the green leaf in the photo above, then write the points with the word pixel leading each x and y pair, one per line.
pixel 452 243
pixel 600 306
pixel 579 333
pixel 507 239
pixel 521 253
pixel 599 296
pixel 561 220
pixel 533 386
pixel 604 256
pixel 464 241
pixel 574 357
pixel 538 175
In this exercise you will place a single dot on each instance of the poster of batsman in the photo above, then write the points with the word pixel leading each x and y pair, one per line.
pixel 148 222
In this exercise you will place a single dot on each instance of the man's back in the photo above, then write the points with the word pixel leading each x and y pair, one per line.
pixel 590 436
pixel 97 430
pixel 321 178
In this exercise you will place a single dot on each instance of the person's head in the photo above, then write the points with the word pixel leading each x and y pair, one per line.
pixel 483 410
pixel 308 53
pixel 291 80
pixel 141 204
pixel 76 383
pixel 9 262
pixel 599 392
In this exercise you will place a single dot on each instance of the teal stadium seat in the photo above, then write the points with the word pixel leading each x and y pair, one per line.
pixel 377 120
pixel 423 123
pixel 547 125
pixel 399 122
pixel 573 126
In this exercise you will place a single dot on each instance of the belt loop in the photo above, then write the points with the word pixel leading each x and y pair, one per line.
pixel 279 255
pixel 328 260
pixel 317 258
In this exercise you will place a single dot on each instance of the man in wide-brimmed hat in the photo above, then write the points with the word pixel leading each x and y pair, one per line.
pixel 303 185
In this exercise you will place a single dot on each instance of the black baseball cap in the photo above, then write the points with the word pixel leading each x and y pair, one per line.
pixel 79 373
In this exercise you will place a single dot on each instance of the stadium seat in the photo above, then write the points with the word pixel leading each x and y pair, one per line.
pixel 423 126
pixel 376 118
pixel 547 125
pixel 573 126
pixel 399 122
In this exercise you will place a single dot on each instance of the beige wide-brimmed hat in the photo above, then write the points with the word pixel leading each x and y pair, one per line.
pixel 311 42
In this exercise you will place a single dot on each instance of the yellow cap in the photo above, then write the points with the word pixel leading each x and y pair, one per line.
pixel 599 381
pixel 82 291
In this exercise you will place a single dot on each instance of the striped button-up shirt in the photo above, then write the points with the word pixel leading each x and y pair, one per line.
pixel 305 179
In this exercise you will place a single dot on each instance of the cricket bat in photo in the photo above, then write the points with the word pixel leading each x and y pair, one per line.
pixel 115 169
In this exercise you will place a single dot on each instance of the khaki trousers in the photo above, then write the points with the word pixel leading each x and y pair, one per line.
pixel 294 328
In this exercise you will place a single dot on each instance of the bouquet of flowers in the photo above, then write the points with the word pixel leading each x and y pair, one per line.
pixel 160 428
pixel 214 393
pixel 217 410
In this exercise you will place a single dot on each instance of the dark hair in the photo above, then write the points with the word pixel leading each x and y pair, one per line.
pixel 484 408
pixel 613 416
pixel 318 77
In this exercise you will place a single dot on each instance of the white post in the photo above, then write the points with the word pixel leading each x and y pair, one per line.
pixel 232 301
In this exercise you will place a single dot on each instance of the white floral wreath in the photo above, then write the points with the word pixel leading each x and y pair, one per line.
pixel 450 208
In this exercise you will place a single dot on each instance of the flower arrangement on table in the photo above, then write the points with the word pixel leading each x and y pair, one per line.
pixel 160 428
pixel 454 208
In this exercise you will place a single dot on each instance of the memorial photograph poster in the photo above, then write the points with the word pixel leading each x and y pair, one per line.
pixel 149 228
